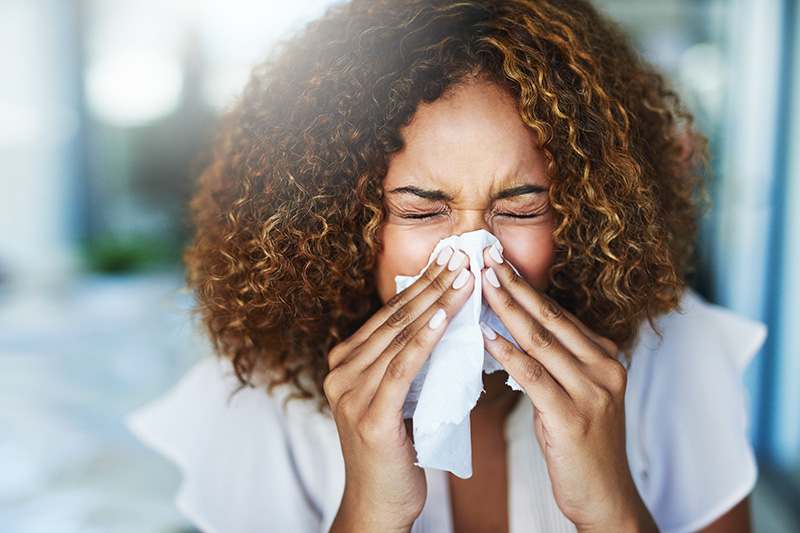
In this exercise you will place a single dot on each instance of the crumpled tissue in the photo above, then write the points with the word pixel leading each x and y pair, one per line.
pixel 449 384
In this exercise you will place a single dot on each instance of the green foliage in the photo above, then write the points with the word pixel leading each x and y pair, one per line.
pixel 111 255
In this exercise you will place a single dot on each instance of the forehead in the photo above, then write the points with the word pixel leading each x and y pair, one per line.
pixel 472 138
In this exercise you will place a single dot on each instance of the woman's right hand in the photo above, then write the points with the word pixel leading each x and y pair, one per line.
pixel 371 373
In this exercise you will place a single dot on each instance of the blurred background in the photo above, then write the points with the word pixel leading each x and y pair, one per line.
pixel 106 107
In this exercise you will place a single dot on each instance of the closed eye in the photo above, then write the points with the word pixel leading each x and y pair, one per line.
pixel 518 215
pixel 418 216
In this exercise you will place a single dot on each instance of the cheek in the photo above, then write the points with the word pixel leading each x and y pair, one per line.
pixel 531 251
pixel 405 252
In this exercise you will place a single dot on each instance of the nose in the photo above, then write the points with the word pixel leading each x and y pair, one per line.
pixel 467 220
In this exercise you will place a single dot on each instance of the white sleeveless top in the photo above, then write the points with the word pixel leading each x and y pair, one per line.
pixel 252 464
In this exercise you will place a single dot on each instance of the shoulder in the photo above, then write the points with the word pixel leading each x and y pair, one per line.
pixel 242 450
pixel 687 415
pixel 698 326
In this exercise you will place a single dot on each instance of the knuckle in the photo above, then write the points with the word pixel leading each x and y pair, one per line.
pixel 513 279
pixel 598 400
pixel 419 340
pixel 445 301
pixel 372 428
pixel 617 375
pixel 334 385
pixel 396 369
pixel 430 274
pixel 337 354
pixel 509 303
pixel 438 284
pixel 400 318
pixel 610 347
pixel 369 430
pixel 329 386
pixel 396 301
pixel 507 350
pixel 333 357
pixel 347 406
pixel 551 311
pixel 402 338
pixel 602 398
pixel 541 336
pixel 532 371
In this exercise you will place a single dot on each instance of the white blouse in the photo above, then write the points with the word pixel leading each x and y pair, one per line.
pixel 252 464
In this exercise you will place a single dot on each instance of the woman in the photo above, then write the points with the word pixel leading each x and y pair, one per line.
pixel 382 129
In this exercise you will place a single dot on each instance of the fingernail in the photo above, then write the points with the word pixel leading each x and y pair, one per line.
pixel 492 278
pixel 488 332
pixel 444 255
pixel 456 261
pixel 461 280
pixel 494 253
pixel 437 319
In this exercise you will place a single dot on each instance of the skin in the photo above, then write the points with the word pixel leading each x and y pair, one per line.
pixel 471 148
pixel 469 162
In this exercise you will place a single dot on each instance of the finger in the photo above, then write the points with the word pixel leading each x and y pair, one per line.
pixel 395 303
pixel 400 327
pixel 404 366
pixel 447 305
pixel 608 346
pixel 576 337
pixel 534 338
pixel 540 386
pixel 352 366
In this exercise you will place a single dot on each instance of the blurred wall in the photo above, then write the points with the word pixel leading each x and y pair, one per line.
pixel 106 107
pixel 39 124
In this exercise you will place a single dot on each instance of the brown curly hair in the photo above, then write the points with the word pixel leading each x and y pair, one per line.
pixel 288 210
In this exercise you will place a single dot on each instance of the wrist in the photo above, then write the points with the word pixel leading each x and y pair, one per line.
pixel 358 514
pixel 633 517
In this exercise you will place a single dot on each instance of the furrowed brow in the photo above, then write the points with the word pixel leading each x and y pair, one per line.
pixel 427 194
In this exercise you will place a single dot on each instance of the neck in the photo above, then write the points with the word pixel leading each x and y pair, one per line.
pixel 497 399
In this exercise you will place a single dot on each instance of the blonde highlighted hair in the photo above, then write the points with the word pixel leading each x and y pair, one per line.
pixel 287 211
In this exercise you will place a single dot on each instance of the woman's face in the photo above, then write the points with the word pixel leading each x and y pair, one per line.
pixel 469 162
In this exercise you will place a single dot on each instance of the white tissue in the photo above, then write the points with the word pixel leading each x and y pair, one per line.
pixel 450 382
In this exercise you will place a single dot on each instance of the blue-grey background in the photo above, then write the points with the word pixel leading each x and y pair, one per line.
pixel 104 108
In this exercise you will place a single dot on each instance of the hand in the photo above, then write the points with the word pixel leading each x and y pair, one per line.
pixel 577 387
pixel 371 373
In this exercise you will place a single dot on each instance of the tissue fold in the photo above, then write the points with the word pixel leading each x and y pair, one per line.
pixel 450 382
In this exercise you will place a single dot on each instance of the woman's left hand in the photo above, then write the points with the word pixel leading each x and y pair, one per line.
pixel 577 387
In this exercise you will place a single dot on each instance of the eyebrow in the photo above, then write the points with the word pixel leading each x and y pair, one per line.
pixel 439 195
pixel 520 190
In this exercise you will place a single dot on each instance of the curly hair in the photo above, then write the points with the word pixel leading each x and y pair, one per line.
pixel 288 210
